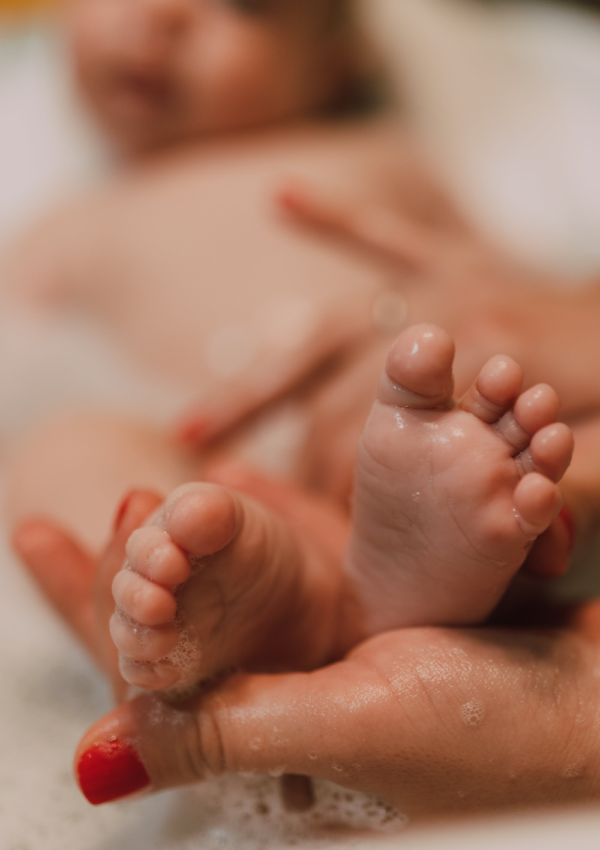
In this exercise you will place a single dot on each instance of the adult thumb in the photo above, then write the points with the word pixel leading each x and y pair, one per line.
pixel 315 724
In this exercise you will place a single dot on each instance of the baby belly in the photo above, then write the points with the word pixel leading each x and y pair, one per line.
pixel 203 279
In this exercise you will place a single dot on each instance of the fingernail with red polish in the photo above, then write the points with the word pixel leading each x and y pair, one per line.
pixel 121 511
pixel 196 429
pixel 567 517
pixel 109 771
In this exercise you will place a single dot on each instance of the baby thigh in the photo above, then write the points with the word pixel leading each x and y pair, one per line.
pixel 76 469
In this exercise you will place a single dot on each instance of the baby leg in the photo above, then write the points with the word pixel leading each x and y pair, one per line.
pixel 448 499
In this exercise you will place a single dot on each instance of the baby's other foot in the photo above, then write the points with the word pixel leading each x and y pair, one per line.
pixel 216 581
pixel 448 499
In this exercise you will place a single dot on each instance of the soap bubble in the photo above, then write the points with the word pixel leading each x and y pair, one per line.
pixel 472 713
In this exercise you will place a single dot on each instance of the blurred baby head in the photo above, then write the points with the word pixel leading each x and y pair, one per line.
pixel 159 71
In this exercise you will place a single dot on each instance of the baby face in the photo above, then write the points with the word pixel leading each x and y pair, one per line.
pixel 160 71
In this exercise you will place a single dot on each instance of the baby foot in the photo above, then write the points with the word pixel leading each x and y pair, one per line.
pixel 448 499
pixel 214 582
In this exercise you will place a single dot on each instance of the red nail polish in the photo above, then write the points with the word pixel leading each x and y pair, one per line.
pixel 110 770
pixel 121 511
pixel 194 429
pixel 567 517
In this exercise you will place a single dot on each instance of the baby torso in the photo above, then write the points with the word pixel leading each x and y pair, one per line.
pixel 192 265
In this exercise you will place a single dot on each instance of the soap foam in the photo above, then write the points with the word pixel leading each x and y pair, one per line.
pixel 472 713
pixel 248 812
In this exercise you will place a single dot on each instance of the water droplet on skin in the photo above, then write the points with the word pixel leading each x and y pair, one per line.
pixel 219 838
pixel 400 421
pixel 415 497
pixel 574 770
pixel 472 713
pixel 312 756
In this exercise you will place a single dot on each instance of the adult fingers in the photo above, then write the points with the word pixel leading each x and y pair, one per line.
pixel 391 236
pixel 64 571
pixel 433 720
pixel 316 338
pixel 77 584
pixel 288 724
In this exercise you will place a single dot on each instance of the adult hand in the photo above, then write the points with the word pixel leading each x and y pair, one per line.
pixel 488 302
pixel 433 720
pixel 310 340
pixel 77 584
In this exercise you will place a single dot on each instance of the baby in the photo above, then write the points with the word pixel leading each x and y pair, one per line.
pixel 157 73
pixel 447 499
pixel 181 259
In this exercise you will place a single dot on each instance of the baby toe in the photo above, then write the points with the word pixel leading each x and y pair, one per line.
pixel 202 518
pixel 537 501
pixel 418 372
pixel 150 677
pixel 143 601
pixel 537 407
pixel 532 411
pixel 152 553
pixel 142 643
pixel 494 390
pixel 549 452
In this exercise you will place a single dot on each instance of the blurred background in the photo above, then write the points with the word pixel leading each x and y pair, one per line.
pixel 504 96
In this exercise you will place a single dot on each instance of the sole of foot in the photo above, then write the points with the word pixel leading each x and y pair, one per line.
pixel 449 496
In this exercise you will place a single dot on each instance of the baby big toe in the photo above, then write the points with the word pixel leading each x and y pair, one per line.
pixel 418 372
pixel 201 518
pixel 142 643
pixel 537 501
pixel 494 390
pixel 143 601
pixel 549 452
pixel 152 554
